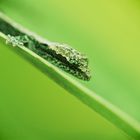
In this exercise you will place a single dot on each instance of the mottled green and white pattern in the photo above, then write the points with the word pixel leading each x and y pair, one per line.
pixel 61 55
pixel 73 57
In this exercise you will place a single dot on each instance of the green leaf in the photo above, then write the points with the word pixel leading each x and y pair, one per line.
pixel 106 33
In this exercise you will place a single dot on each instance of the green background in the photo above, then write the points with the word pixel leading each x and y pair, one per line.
pixel 34 107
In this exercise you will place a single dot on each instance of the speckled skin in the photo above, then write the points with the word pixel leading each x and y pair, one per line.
pixel 73 57
pixel 61 55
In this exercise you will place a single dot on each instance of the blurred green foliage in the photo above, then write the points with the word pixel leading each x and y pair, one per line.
pixel 34 107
